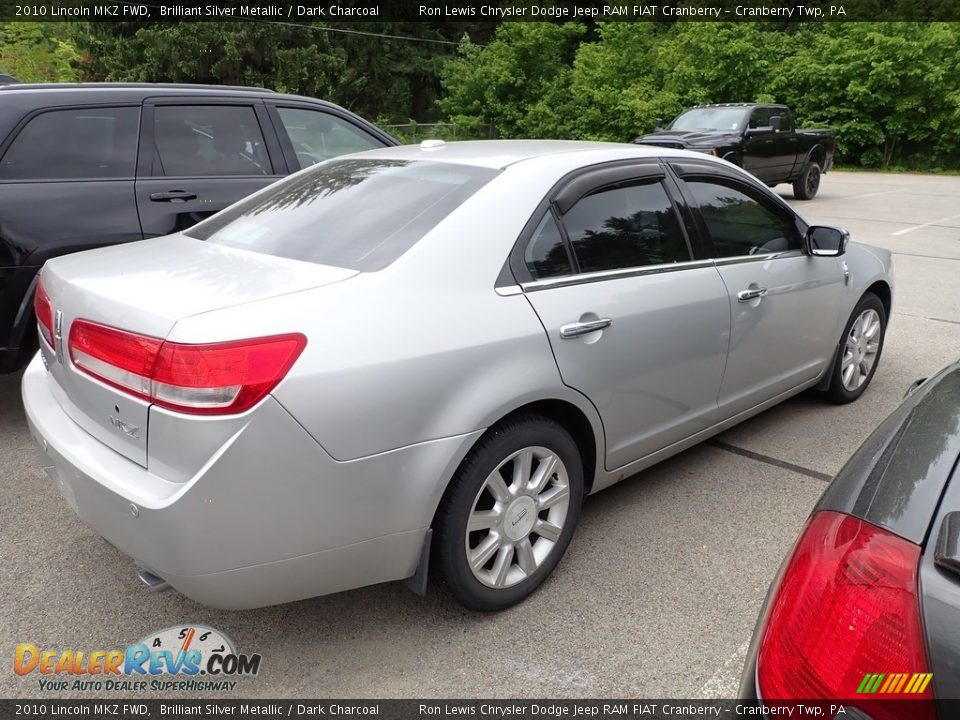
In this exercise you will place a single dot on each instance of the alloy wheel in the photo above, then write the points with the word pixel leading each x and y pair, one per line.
pixel 860 351
pixel 517 517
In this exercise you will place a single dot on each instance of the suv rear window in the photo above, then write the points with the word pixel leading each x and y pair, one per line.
pixel 360 214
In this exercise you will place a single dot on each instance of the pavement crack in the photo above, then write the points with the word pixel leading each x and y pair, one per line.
pixel 782 464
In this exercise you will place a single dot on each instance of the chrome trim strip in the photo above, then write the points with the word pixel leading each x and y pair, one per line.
pixel 583 278
pixel 508 290
pixel 613 275
pixel 740 259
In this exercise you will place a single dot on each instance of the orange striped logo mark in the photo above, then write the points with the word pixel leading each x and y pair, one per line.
pixel 894 683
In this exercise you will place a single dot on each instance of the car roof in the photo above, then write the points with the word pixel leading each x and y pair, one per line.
pixel 499 154
pixel 738 105
pixel 129 86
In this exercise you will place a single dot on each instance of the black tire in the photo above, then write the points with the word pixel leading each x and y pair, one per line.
pixel 468 489
pixel 806 186
pixel 837 392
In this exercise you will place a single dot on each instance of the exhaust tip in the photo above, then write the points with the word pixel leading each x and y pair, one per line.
pixel 153 582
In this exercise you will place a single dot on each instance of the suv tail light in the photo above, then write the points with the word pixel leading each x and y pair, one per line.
pixel 205 379
pixel 847 606
pixel 43 309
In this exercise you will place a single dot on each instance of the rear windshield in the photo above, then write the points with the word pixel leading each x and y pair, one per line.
pixel 360 214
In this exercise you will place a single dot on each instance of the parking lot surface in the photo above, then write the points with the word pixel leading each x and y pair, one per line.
pixel 657 595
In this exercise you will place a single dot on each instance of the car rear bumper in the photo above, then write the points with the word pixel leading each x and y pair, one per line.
pixel 270 519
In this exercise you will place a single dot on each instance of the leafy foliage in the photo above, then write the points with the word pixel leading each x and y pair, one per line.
pixel 38 52
pixel 890 90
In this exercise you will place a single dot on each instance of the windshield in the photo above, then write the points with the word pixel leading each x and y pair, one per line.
pixel 360 214
pixel 711 118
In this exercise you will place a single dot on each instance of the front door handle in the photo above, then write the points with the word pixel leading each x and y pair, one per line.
pixel 576 329
pixel 751 294
pixel 173 196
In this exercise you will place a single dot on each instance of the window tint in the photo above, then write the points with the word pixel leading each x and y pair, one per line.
pixel 625 227
pixel 546 255
pixel 77 143
pixel 760 117
pixel 359 214
pixel 208 140
pixel 317 136
pixel 740 225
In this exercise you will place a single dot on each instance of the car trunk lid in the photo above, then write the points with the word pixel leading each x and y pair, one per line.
pixel 146 288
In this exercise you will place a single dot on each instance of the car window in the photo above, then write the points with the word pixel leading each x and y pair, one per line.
pixel 208 140
pixel 623 227
pixel 760 117
pixel 74 144
pixel 546 254
pixel 351 213
pixel 317 135
pixel 741 225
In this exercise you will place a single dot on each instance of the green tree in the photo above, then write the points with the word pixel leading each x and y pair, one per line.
pixel 520 81
pixel 38 52
pixel 883 87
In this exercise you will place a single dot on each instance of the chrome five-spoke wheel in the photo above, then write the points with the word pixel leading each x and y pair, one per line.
pixel 517 517
pixel 860 351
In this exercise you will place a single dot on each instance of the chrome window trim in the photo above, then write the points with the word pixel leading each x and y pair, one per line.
pixel 584 278
pixel 739 259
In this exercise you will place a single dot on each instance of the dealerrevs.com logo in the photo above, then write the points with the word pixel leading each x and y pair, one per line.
pixel 184 657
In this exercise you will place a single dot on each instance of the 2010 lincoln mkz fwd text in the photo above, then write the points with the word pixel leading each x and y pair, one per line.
pixel 422 358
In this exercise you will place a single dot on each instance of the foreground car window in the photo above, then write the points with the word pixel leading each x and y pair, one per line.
pixel 357 214
pixel 625 227
pixel 739 225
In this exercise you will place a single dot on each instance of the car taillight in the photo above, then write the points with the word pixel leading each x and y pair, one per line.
pixel 43 309
pixel 206 379
pixel 847 607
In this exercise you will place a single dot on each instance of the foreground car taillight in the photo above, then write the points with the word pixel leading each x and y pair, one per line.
pixel 43 309
pixel 210 378
pixel 847 607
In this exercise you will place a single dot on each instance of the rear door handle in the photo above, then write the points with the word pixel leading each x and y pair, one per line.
pixel 173 196
pixel 751 294
pixel 576 329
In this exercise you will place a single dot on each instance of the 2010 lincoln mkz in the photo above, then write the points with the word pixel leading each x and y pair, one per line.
pixel 423 358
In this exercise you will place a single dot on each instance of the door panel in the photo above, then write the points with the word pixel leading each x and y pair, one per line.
pixel 784 337
pixel 636 326
pixel 198 158
pixel 653 374
pixel 783 326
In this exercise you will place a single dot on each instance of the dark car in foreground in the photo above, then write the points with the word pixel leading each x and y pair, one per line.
pixel 867 607
pixel 93 164
pixel 761 139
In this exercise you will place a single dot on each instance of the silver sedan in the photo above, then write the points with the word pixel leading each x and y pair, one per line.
pixel 419 360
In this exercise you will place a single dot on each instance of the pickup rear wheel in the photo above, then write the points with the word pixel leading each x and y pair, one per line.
pixel 805 187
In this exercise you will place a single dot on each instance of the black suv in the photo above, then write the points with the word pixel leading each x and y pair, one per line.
pixel 87 165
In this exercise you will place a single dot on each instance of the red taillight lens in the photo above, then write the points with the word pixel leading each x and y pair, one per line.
pixel 43 309
pixel 213 378
pixel 847 607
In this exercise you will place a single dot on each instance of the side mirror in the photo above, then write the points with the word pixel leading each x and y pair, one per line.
pixel 658 124
pixel 827 241
pixel 776 122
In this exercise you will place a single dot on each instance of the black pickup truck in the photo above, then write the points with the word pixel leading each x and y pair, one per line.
pixel 759 138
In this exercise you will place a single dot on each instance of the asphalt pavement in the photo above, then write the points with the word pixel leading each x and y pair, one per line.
pixel 657 595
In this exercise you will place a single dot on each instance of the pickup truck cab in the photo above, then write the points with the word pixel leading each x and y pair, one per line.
pixel 84 165
pixel 759 138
